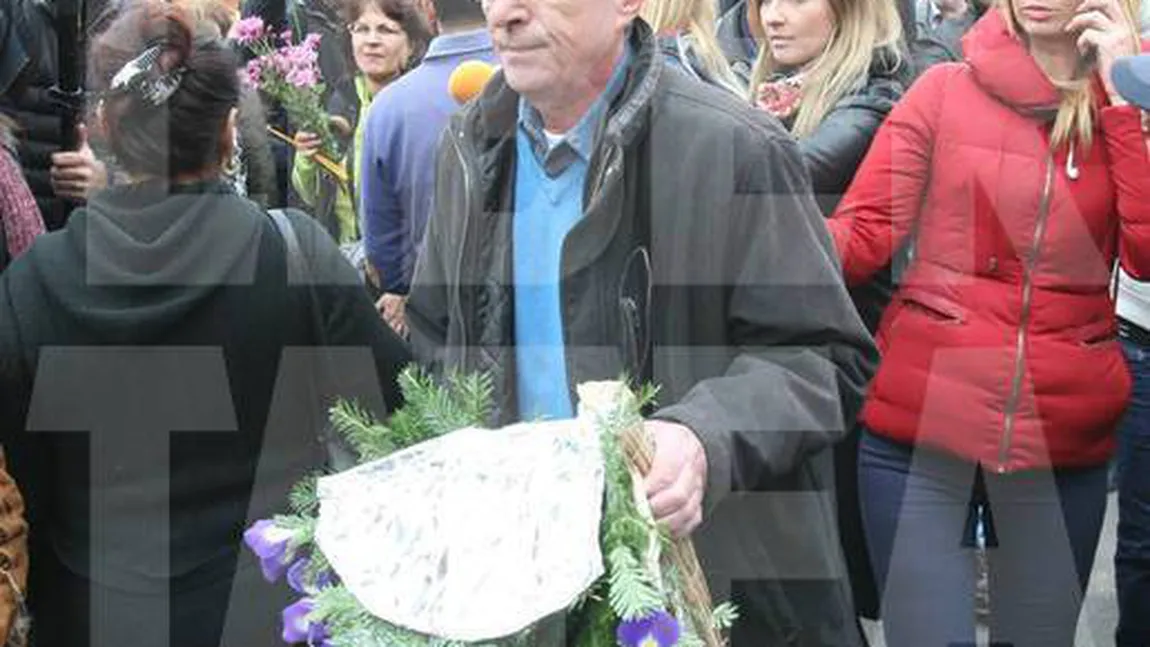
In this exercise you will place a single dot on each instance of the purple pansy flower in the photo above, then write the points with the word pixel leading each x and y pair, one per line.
pixel 317 635
pixel 660 629
pixel 247 31
pixel 296 624
pixel 298 628
pixel 270 544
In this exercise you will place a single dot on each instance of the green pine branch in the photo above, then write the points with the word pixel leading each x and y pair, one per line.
pixel 317 565
pixel 632 595
pixel 368 438
pixel 302 528
pixel 304 496
pixel 475 393
pixel 648 395
pixel 353 626
pixel 724 616
pixel 431 409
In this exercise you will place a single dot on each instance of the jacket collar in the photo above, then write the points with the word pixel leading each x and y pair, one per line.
pixel 494 115
pixel 1003 66
pixel 581 138
pixel 458 44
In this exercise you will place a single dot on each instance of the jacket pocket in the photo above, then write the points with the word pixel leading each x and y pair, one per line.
pixel 1100 334
pixel 632 334
pixel 932 306
pixel 634 303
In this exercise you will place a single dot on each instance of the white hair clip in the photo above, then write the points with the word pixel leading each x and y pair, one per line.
pixel 142 76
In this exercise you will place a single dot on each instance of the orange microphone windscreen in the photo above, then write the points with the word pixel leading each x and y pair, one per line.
pixel 468 79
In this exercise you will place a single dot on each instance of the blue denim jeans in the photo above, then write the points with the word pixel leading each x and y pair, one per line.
pixel 1132 561
pixel 917 507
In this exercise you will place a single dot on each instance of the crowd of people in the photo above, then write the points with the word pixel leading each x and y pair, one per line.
pixel 888 263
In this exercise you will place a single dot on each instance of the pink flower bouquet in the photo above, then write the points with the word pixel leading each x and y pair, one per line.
pixel 288 73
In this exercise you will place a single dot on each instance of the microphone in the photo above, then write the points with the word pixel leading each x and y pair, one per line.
pixel 468 79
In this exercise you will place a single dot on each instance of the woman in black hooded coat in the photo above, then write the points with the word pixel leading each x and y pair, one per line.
pixel 166 331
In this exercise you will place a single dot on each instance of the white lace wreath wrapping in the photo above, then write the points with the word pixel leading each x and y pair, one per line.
pixel 473 536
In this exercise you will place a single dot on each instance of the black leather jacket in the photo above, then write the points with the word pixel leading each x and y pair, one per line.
pixel 834 151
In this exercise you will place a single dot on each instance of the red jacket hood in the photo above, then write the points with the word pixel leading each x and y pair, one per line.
pixel 1002 65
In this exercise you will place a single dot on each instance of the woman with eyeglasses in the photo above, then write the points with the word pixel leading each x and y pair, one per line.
pixel 388 37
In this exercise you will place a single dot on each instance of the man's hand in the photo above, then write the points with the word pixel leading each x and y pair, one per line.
pixel 678 477
pixel 392 308
pixel 76 175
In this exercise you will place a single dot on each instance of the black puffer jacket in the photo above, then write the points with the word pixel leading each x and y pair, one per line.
pixel 28 71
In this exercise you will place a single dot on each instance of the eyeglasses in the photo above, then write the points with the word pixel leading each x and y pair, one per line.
pixel 362 30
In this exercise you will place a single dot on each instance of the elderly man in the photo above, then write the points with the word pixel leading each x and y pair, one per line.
pixel 598 213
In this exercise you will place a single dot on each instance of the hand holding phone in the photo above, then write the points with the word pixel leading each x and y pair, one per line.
pixel 1104 36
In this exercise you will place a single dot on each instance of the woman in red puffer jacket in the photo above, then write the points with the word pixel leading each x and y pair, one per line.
pixel 1021 176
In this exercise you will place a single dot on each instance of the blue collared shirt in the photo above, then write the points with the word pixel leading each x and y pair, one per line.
pixel 549 187
pixel 477 41
pixel 579 142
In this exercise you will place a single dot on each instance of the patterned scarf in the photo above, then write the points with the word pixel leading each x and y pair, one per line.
pixel 781 96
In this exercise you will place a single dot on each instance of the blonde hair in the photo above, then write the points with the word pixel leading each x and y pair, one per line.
pixel 1075 120
pixel 863 30
pixel 697 20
